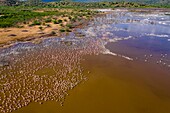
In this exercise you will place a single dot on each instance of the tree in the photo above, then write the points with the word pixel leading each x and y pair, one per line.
pixel 11 2
pixel 164 1
pixel 34 2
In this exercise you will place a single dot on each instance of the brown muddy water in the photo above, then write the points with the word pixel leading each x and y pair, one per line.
pixel 114 85
pixel 119 63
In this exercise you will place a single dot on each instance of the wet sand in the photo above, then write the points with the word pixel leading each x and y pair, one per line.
pixel 115 85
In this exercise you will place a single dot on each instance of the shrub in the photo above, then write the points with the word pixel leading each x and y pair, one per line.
pixel 53 32
pixel 24 22
pixel 70 17
pixel 19 26
pixel 30 25
pixel 40 27
pixel 55 22
pixel 62 30
pixel 36 22
pixel 69 25
pixel 68 30
pixel 73 20
pixel 60 21
pixel 61 25
pixel 47 20
pixel 48 25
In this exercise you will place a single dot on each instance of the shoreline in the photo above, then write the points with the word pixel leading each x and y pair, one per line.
pixel 70 77
pixel 56 25
pixel 38 36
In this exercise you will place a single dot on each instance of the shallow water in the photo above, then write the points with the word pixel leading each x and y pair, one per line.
pixel 120 63
pixel 114 85
pixel 138 35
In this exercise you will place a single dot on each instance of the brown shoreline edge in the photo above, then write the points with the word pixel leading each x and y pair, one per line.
pixel 84 22
pixel 38 39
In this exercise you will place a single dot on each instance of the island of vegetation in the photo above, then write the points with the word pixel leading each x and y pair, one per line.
pixel 34 19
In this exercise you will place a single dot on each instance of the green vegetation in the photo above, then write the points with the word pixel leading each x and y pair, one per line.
pixel 94 4
pixel 11 15
pixel 41 28
pixel 69 26
pixel 68 30
pixel 48 25
pixel 48 20
pixel 62 25
pixel 53 32
pixel 60 21
pixel 36 22
pixel 55 22
pixel 62 30
pixel 161 5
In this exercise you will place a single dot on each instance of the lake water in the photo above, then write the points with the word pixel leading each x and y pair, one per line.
pixel 119 62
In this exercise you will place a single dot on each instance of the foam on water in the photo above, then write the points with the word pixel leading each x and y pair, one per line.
pixel 104 10
pixel 107 51
pixel 156 35
pixel 128 58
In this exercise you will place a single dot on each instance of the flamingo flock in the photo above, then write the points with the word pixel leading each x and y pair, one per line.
pixel 45 73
